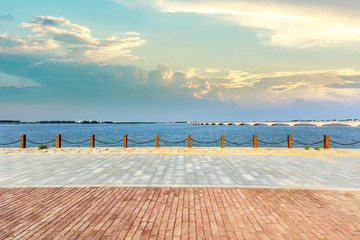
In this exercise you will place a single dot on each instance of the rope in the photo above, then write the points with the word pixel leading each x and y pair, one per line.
pixel 5 144
pixel 108 142
pixel 173 142
pixel 235 143
pixel 205 142
pixel 272 142
pixel 141 142
pixel 41 142
pixel 308 143
pixel 74 142
pixel 344 144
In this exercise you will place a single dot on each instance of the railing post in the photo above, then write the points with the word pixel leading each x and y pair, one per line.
pixel 157 140
pixel 254 141
pixel 92 141
pixel 222 141
pixel 23 141
pixel 289 140
pixel 125 141
pixel 189 141
pixel 58 141
pixel 326 142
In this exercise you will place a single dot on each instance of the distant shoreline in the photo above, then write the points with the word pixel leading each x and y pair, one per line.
pixel 87 122
pixel 333 121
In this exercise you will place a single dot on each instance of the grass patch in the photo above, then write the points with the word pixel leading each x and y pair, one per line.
pixel 43 146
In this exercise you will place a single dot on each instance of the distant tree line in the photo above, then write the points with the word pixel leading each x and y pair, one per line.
pixel 56 121
pixel 10 121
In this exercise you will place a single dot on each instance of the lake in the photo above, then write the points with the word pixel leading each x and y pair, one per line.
pixel 202 135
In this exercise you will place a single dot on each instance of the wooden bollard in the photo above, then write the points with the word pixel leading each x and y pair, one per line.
pixel 189 141
pixel 326 142
pixel 92 141
pixel 254 141
pixel 289 140
pixel 58 141
pixel 23 141
pixel 157 140
pixel 222 141
pixel 125 141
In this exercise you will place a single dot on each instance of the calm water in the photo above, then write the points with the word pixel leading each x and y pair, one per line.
pixel 110 133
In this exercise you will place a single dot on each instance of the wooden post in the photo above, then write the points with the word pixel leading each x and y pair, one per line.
pixel 58 141
pixel 189 141
pixel 289 140
pixel 157 140
pixel 222 141
pixel 92 141
pixel 254 141
pixel 125 141
pixel 23 141
pixel 326 142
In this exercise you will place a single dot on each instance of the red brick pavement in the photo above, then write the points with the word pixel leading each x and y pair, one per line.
pixel 178 213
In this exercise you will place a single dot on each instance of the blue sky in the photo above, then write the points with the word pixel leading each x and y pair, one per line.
pixel 193 60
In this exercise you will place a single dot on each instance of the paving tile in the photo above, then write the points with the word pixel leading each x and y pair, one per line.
pixel 179 212
pixel 332 172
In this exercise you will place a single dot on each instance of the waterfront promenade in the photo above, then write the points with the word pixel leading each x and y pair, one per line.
pixel 179 193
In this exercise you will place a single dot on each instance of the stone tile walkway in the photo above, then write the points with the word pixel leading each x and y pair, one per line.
pixel 178 213
pixel 307 172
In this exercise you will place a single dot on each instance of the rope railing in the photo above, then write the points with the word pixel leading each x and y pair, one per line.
pixel 344 144
pixel 10 143
pixel 109 143
pixel 272 143
pixel 165 141
pixel 75 142
pixel 239 144
pixel 205 142
pixel 41 142
pixel 301 143
pixel 141 142
pixel 157 139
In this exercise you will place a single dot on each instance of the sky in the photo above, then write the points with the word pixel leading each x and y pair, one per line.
pixel 189 60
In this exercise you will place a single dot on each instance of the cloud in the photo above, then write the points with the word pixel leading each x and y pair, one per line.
pixel 295 24
pixel 8 80
pixel 347 84
pixel 16 45
pixel 131 33
pixel 286 87
pixel 183 83
pixel 270 89
pixel 212 70
pixel 6 17
pixel 82 90
pixel 226 86
pixel 118 90
pixel 273 88
pixel 62 40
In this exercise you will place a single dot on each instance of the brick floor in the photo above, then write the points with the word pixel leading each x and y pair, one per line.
pixel 178 213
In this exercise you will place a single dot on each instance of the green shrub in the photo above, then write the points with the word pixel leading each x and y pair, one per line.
pixel 307 147
pixel 317 148
pixel 43 146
